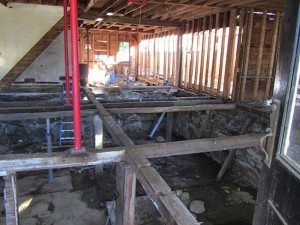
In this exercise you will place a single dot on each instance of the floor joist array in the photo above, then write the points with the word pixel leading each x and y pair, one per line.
pixel 131 160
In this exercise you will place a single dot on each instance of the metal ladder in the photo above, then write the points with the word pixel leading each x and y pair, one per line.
pixel 66 130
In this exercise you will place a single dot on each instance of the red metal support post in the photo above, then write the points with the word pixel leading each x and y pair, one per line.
pixel 68 101
pixel 75 76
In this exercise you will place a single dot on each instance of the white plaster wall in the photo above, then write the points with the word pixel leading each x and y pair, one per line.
pixel 49 65
pixel 20 28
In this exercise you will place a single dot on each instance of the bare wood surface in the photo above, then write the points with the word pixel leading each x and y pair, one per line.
pixel 247 52
pixel 272 55
pixel 43 115
pixel 169 127
pixel 38 161
pixel 260 55
pixel 10 200
pixel 173 108
pixel 221 69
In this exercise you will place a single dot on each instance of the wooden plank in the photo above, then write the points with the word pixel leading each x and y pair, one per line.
pixel 175 212
pixel 260 54
pixel 39 161
pixel 237 55
pixel 165 62
pixel 192 64
pixel 43 115
pixel 140 161
pixel 120 175
pixel 272 55
pixel 208 59
pixel 174 62
pixel 203 56
pixel 240 61
pixel 247 52
pixel 230 57
pixel 129 196
pixel 155 73
pixel 215 54
pixel 221 69
pixel 185 58
pixel 205 107
pixel 169 56
pixel 10 200
pixel 197 56
pixel 179 56
pixel 169 127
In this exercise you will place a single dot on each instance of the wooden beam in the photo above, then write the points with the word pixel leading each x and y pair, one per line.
pixel 179 56
pixel 43 115
pixel 230 57
pixel 247 52
pixel 272 55
pixel 40 161
pixel 173 109
pixel 10 199
pixel 203 55
pixel 222 59
pixel 169 127
pixel 169 205
pixel 127 20
pixel 215 55
pixel 208 59
pixel 260 54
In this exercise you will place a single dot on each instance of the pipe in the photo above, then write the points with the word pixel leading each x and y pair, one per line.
pixel 49 148
pixel 75 76
pixel 156 125
pixel 68 101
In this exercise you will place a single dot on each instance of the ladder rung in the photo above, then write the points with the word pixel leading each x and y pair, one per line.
pixel 68 130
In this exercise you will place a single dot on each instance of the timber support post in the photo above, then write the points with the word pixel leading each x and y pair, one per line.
pixel 10 199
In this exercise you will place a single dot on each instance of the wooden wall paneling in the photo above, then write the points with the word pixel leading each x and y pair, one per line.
pixel 192 55
pixel 179 53
pixel 152 55
pixel 144 56
pixel 137 57
pixel 88 49
pixel 215 55
pixel 203 55
pixel 197 53
pixel 260 54
pixel 247 51
pixel 208 56
pixel 221 69
pixel 93 49
pixel 230 57
pixel 272 55
pixel 156 63
pixel 238 50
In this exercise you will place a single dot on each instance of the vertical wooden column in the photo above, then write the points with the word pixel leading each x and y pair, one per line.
pixel 241 25
pixel 260 53
pixel 10 200
pixel 215 54
pixel 126 187
pixel 230 57
pixel 193 50
pixel 208 64
pixel 178 56
pixel 247 52
pixel 203 55
pixel 169 127
pixel 197 52
pixel 222 54
pixel 272 55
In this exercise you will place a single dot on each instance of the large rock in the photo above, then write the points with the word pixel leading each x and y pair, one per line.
pixel 197 207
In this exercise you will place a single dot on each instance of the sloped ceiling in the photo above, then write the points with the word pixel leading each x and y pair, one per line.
pixel 21 26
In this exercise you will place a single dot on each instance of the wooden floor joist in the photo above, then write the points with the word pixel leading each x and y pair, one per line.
pixel 40 161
